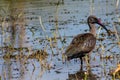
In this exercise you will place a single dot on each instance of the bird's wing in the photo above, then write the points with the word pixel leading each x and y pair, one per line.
pixel 82 43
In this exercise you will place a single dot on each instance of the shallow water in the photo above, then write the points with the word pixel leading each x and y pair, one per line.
pixel 70 17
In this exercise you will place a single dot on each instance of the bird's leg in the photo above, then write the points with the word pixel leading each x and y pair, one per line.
pixel 81 63
pixel 81 60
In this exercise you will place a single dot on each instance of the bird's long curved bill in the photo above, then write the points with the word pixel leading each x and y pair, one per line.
pixel 104 27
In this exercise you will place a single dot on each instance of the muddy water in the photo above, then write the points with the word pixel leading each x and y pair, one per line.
pixel 61 21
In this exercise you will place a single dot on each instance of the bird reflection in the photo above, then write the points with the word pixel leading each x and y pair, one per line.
pixel 82 75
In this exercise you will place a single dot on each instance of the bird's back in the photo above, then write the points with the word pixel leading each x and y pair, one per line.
pixel 81 45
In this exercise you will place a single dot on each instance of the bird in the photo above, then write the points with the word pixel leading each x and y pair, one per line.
pixel 83 44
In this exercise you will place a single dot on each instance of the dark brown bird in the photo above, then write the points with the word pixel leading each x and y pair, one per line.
pixel 83 44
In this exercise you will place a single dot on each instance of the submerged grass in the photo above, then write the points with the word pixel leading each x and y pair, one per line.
pixel 47 37
pixel 56 32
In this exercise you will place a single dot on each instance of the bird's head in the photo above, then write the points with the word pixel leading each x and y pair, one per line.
pixel 94 20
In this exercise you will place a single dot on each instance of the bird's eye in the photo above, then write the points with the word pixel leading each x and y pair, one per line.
pixel 92 20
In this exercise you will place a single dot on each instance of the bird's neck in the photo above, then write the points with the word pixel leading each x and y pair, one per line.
pixel 92 29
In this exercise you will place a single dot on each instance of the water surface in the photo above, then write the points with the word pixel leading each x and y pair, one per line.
pixel 38 20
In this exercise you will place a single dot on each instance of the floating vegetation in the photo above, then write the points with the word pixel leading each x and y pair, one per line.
pixel 39 54
pixel 10 56
pixel 107 57
pixel 10 52
pixel 10 48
